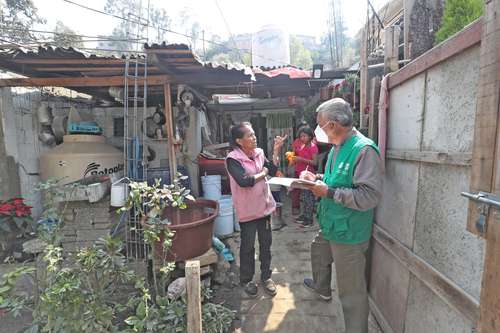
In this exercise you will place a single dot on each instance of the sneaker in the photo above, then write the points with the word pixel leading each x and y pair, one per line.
pixel 269 287
pixel 251 289
pixel 309 284
pixel 301 219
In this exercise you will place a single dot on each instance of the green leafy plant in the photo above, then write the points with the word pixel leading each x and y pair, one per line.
pixel 457 14
pixel 148 202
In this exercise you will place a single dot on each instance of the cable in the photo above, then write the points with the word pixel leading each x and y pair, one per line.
pixel 67 34
pixel 228 30
pixel 167 30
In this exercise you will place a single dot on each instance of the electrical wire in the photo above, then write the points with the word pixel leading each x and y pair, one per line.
pixel 167 30
pixel 228 29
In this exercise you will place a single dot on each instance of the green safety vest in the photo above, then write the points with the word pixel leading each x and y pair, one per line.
pixel 339 223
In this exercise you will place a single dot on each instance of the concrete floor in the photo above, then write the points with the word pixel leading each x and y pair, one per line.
pixel 294 308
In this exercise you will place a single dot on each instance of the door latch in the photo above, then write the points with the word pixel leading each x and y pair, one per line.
pixel 485 201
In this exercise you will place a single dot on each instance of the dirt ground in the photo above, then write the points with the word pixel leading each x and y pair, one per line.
pixel 293 309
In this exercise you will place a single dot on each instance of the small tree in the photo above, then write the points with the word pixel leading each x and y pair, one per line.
pixel 457 14
pixel 65 37
pixel 299 55
pixel 17 17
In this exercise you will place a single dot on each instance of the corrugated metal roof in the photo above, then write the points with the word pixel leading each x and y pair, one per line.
pixel 174 60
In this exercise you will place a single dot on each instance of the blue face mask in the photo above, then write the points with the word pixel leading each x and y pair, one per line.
pixel 320 134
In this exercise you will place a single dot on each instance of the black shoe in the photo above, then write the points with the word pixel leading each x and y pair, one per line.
pixel 251 289
pixel 301 219
pixel 307 223
pixel 309 284
pixel 269 287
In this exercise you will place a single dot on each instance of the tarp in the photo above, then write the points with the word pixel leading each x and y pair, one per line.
pixel 291 72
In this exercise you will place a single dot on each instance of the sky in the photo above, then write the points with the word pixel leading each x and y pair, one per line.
pixel 295 16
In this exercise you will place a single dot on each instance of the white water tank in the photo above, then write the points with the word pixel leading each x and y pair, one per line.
pixel 80 156
pixel 271 47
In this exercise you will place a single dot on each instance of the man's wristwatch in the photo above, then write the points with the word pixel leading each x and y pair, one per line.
pixel 331 192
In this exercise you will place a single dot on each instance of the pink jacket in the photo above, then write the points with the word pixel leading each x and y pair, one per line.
pixel 253 202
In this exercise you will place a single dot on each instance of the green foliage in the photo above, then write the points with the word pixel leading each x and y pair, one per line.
pixel 299 55
pixel 65 37
pixel 126 33
pixel 85 293
pixel 457 14
pixel 18 17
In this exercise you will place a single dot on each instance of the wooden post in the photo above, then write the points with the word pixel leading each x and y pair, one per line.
pixel 373 116
pixel 391 49
pixel 363 79
pixel 485 174
pixel 193 296
pixel 172 162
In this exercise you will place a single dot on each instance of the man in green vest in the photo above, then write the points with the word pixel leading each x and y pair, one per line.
pixel 350 189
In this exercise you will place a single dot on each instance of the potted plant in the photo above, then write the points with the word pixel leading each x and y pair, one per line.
pixel 15 222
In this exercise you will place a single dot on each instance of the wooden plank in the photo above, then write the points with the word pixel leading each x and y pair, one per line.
pixel 384 325
pixel 470 36
pixel 172 162
pixel 63 61
pixel 92 69
pixel 391 49
pixel 363 81
pixel 442 286
pixel 207 258
pixel 110 81
pixel 459 159
pixel 373 116
pixel 486 121
pixel 193 289
pixel 488 141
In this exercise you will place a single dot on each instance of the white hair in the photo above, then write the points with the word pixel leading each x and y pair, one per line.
pixel 337 110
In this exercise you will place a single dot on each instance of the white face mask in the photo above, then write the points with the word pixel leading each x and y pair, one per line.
pixel 320 134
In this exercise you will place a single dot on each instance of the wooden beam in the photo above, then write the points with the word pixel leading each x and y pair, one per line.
pixel 373 116
pixel 92 69
pixel 363 85
pixel 470 36
pixel 384 324
pixel 458 159
pixel 487 153
pixel 172 162
pixel 193 288
pixel 391 49
pixel 110 81
pixel 442 286
pixel 64 61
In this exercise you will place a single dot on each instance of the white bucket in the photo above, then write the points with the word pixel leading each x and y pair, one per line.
pixel 211 186
pixel 119 193
pixel 224 223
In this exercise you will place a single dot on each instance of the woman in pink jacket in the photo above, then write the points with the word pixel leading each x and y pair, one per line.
pixel 248 167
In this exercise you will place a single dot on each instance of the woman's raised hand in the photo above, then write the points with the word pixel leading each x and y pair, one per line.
pixel 279 141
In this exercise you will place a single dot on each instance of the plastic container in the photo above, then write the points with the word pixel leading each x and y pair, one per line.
pixel 193 229
pixel 211 186
pixel 119 191
pixel 224 223
pixel 214 166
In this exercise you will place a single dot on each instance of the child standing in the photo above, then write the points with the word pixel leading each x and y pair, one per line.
pixel 305 158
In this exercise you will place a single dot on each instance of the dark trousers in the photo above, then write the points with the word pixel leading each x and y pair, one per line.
pixel 249 229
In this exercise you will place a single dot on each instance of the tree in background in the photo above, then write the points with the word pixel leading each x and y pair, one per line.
pixel 131 31
pixel 65 37
pixel 299 55
pixel 17 18
pixel 457 14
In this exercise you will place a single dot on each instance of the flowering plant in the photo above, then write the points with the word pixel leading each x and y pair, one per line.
pixel 15 216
